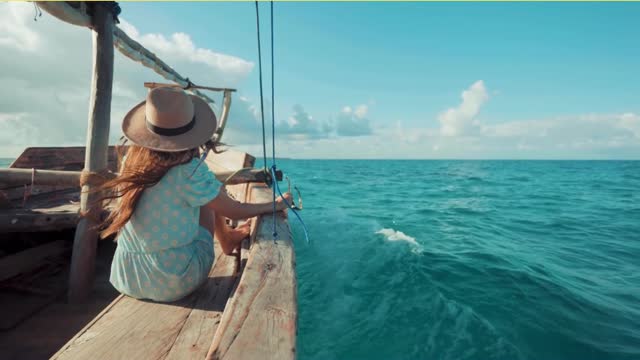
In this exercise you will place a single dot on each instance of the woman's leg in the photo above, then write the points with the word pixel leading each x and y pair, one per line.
pixel 229 238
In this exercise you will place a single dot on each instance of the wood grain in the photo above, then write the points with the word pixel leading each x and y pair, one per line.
pixel 86 238
pixel 29 259
pixel 259 321
pixel 134 329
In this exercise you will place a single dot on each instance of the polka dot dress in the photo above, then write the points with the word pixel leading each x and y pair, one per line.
pixel 163 253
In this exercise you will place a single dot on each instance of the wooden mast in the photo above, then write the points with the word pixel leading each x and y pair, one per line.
pixel 86 237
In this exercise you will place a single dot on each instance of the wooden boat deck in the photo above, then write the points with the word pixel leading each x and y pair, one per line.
pixel 35 318
pixel 134 329
pixel 46 208
pixel 42 212
pixel 245 310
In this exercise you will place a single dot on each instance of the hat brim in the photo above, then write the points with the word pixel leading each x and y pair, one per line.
pixel 135 129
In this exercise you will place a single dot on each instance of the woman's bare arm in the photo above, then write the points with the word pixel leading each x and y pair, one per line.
pixel 233 209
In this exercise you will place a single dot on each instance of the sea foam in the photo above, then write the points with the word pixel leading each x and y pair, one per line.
pixel 393 235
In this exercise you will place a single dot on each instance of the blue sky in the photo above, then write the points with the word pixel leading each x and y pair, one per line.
pixel 413 59
pixel 388 80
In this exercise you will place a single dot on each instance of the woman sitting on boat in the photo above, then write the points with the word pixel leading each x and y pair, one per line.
pixel 170 204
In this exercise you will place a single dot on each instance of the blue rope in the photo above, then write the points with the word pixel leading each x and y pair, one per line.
pixel 277 187
pixel 273 128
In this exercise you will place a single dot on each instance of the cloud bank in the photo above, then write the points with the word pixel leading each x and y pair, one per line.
pixel 46 79
pixel 47 76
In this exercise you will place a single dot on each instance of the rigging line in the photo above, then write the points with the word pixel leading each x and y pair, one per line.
pixel 273 96
pixel 290 206
pixel 264 137
pixel 273 129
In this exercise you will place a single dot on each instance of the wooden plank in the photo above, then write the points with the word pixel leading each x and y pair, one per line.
pixel 38 221
pixel 13 177
pixel 67 13
pixel 18 306
pixel 196 335
pixel 57 158
pixel 130 329
pixel 50 158
pixel 259 321
pixel 229 160
pixel 86 238
pixel 17 177
pixel 136 329
pixel 197 332
pixel 29 259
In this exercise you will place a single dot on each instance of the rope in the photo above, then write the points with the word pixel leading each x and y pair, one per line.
pixel 264 137
pixel 295 212
pixel 27 193
pixel 273 129
pixel 273 96
pixel 38 12
pixel 95 177
pixel 273 168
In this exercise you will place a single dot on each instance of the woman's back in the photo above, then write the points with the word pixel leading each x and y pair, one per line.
pixel 162 243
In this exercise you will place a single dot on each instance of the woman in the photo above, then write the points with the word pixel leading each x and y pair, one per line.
pixel 170 205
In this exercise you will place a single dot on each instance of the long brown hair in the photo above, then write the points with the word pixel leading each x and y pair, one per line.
pixel 142 169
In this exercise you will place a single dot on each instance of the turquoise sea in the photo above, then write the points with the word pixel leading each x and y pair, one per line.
pixel 468 259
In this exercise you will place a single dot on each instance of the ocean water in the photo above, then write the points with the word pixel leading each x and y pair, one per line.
pixel 468 259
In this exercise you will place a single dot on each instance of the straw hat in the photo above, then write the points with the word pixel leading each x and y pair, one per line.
pixel 170 120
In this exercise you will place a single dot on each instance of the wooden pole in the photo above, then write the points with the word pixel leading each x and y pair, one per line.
pixel 17 177
pixel 86 237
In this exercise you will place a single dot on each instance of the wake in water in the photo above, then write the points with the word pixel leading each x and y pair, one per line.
pixel 393 235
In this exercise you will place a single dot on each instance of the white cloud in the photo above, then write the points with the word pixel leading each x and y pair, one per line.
pixel 349 122
pixel 461 120
pixel 302 125
pixel 182 54
pixel 14 34
pixel 353 122
pixel 594 134
pixel 46 77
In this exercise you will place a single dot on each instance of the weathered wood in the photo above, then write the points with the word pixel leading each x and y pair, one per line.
pixel 15 177
pixel 16 307
pixel 129 329
pixel 259 321
pixel 196 334
pixel 133 329
pixel 49 158
pixel 228 161
pixel 67 13
pixel 85 242
pixel 152 85
pixel 222 121
pixel 33 221
pixel 58 158
pixel 29 259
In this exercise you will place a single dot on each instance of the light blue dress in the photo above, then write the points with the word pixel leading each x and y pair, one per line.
pixel 163 254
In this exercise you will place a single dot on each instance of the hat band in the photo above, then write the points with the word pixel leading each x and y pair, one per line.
pixel 170 131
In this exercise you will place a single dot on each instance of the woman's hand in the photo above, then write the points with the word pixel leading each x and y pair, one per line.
pixel 280 203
